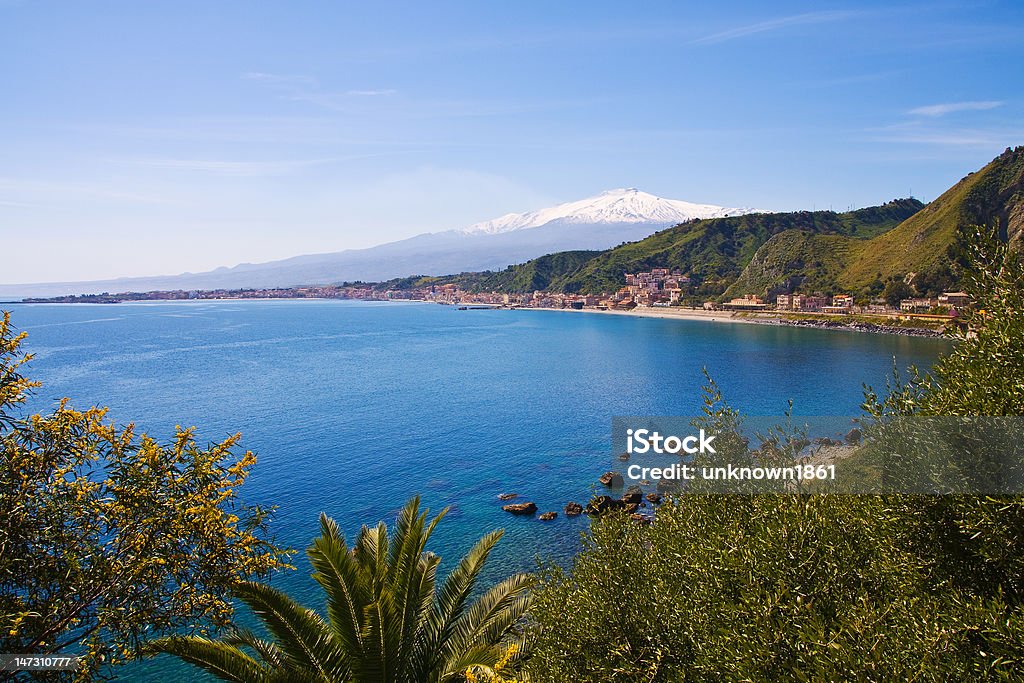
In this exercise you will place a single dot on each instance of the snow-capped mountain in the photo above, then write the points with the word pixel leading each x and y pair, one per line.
pixel 596 223
pixel 626 205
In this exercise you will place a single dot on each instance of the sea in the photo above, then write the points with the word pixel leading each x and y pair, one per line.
pixel 353 407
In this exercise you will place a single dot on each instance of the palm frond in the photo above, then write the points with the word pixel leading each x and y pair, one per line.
pixel 268 651
pixel 301 634
pixel 224 661
pixel 337 572
pixel 451 602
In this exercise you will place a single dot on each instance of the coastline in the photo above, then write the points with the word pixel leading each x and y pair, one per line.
pixel 760 319
pixel 673 312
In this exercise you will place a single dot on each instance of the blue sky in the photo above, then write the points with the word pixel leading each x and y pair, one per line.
pixel 161 137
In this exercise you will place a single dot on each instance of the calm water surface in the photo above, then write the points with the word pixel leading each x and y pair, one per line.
pixel 352 407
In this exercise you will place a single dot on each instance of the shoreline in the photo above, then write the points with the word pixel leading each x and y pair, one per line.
pixel 762 319
pixel 664 313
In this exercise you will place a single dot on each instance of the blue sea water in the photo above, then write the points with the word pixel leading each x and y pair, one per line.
pixel 353 407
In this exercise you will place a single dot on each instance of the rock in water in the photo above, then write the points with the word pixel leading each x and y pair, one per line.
pixel 611 480
pixel 548 516
pixel 520 508
pixel 602 504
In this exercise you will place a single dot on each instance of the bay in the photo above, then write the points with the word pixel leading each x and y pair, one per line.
pixel 353 407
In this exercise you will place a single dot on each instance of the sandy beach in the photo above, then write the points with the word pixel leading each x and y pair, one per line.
pixel 753 319
pixel 673 312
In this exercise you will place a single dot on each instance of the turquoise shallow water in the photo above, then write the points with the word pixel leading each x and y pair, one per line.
pixel 352 407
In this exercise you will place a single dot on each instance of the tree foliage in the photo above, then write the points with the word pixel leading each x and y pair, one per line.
pixel 108 537
pixel 385 622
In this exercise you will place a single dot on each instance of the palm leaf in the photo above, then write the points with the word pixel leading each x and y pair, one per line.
pixel 268 651
pixel 302 635
pixel 224 661
pixel 338 574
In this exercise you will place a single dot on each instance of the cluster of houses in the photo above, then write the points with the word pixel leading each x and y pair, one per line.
pixel 843 304
pixel 659 285
pixel 667 287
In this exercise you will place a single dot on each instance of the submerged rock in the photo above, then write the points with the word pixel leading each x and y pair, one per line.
pixel 507 496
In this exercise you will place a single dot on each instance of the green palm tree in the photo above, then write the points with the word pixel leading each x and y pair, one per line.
pixel 385 620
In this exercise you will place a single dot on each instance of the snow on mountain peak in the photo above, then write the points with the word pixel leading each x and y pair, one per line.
pixel 623 205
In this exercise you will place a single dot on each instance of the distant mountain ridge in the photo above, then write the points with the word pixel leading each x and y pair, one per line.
pixel 596 223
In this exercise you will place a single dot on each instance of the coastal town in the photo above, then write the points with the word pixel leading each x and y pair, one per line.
pixel 664 290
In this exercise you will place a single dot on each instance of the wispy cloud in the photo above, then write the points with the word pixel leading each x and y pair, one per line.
pixel 918 133
pixel 307 88
pixel 50 192
pixel 280 79
pixel 371 93
pixel 248 169
pixel 822 17
pixel 935 110
pixel 231 168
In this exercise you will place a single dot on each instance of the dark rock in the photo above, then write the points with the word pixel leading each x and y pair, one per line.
pixel 632 498
pixel 631 508
pixel 548 516
pixel 624 457
pixel 645 482
pixel 520 508
pixel 507 496
pixel 641 519
pixel 854 436
pixel 611 480
pixel 653 498
pixel 601 504
pixel 572 509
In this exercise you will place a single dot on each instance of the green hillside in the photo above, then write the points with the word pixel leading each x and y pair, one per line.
pixel 714 252
pixel 992 196
pixel 924 244
pixel 795 259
